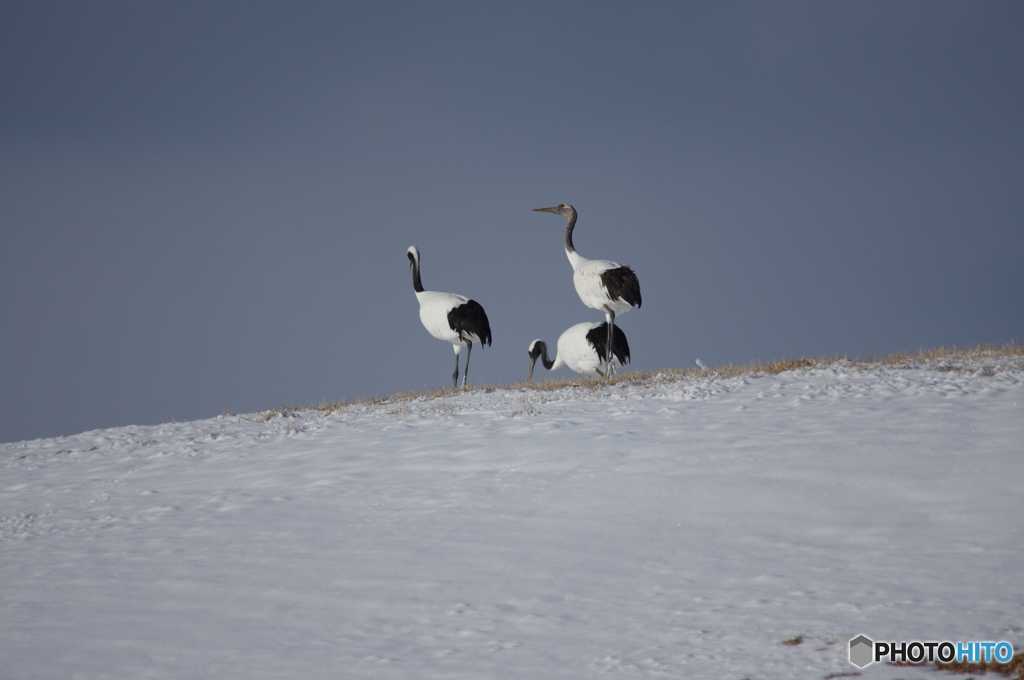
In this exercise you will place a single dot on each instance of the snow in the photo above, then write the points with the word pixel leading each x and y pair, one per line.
pixel 680 526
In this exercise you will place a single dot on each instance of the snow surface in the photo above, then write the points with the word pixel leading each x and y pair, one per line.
pixel 682 527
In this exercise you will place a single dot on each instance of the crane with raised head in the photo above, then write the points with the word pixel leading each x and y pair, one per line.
pixel 450 317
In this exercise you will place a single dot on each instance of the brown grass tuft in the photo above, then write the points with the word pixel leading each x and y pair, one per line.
pixel 790 365
pixel 1013 668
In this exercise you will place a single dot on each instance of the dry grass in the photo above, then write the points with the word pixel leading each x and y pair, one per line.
pixel 1014 668
pixel 951 354
pixel 946 358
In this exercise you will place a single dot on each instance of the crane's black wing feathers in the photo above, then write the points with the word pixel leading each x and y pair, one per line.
pixel 598 339
pixel 622 284
pixel 470 318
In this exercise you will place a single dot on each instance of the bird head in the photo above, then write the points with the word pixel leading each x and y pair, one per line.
pixel 563 209
pixel 414 256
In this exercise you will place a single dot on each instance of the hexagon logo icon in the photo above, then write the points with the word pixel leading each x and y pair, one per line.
pixel 861 651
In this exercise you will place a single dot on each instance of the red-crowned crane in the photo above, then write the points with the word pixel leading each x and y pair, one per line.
pixel 582 348
pixel 601 284
pixel 449 317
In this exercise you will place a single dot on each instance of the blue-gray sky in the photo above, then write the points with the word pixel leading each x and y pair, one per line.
pixel 206 205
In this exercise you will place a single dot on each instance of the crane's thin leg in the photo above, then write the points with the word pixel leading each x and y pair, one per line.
pixel 609 346
pixel 465 373
pixel 455 375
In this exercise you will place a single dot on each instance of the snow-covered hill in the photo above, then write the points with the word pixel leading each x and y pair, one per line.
pixel 674 527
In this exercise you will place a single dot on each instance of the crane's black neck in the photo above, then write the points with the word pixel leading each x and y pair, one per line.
pixel 417 285
pixel 569 248
pixel 540 349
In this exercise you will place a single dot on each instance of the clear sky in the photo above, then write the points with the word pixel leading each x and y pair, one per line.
pixel 205 206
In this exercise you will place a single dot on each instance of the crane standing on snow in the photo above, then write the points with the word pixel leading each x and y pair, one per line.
pixel 449 317
pixel 582 348
pixel 601 284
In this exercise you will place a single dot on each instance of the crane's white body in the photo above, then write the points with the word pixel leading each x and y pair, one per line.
pixel 434 308
pixel 586 277
pixel 577 353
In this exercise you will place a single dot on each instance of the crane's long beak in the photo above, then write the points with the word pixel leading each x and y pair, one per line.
pixel 529 376
pixel 550 210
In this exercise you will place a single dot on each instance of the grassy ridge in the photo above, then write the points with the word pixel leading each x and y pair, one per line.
pixel 945 358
